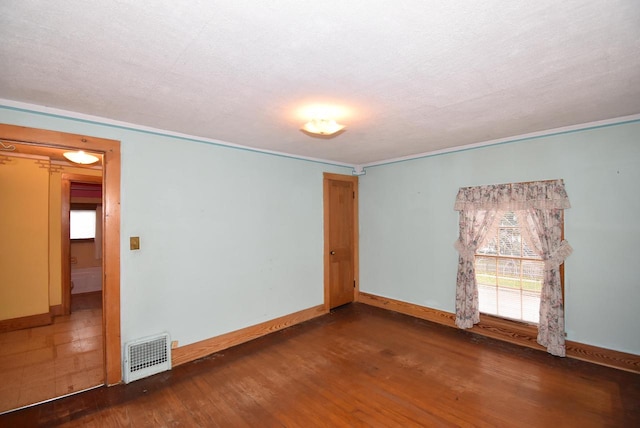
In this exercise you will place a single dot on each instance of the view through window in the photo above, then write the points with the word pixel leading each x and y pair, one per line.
pixel 82 224
pixel 509 272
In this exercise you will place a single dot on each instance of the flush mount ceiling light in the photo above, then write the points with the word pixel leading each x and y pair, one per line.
pixel 322 127
pixel 81 157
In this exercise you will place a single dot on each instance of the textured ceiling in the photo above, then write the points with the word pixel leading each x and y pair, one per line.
pixel 408 77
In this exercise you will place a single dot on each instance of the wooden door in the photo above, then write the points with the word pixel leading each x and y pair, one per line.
pixel 340 223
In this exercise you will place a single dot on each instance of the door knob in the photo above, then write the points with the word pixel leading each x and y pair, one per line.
pixel 332 253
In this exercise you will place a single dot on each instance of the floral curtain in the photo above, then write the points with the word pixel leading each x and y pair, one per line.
pixel 544 202
pixel 547 228
pixel 513 196
pixel 474 225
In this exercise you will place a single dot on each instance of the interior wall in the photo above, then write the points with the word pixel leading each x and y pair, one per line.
pixel 408 225
pixel 229 238
pixel 83 255
pixel 24 246
pixel 24 209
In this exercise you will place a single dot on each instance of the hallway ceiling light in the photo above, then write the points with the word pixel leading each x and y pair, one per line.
pixel 322 126
pixel 81 157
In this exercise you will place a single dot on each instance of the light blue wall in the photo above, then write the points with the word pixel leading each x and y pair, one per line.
pixel 408 225
pixel 229 238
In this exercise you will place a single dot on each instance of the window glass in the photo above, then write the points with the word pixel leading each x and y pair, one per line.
pixel 509 272
pixel 82 224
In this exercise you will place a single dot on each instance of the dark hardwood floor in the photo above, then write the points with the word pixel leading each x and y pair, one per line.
pixel 83 301
pixel 360 366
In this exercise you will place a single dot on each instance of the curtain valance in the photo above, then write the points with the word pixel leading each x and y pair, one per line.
pixel 513 196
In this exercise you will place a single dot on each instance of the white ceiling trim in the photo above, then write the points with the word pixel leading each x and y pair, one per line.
pixel 357 169
pixel 81 117
pixel 513 139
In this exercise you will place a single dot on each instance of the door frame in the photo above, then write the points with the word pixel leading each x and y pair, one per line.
pixel 110 150
pixel 67 179
pixel 327 176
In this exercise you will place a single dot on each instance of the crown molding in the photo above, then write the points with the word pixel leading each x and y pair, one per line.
pixel 358 169
pixel 507 140
pixel 98 120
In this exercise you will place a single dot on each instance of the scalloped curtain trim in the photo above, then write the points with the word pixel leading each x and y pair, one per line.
pixel 558 256
pixel 466 252
pixel 549 194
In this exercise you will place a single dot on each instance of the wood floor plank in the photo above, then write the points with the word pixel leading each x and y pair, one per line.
pixel 360 366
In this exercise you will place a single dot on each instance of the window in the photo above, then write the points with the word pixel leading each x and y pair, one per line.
pixel 509 271
pixel 82 224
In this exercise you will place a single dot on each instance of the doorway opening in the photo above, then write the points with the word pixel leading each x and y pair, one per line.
pixel 82 270
pixel 47 143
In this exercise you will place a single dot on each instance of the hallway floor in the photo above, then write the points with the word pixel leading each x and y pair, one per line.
pixel 41 363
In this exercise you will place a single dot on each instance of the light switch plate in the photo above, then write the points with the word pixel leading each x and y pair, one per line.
pixel 134 242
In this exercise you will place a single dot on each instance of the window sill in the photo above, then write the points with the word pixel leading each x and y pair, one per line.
pixel 519 333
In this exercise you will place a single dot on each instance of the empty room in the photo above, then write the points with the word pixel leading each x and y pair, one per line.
pixel 294 213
